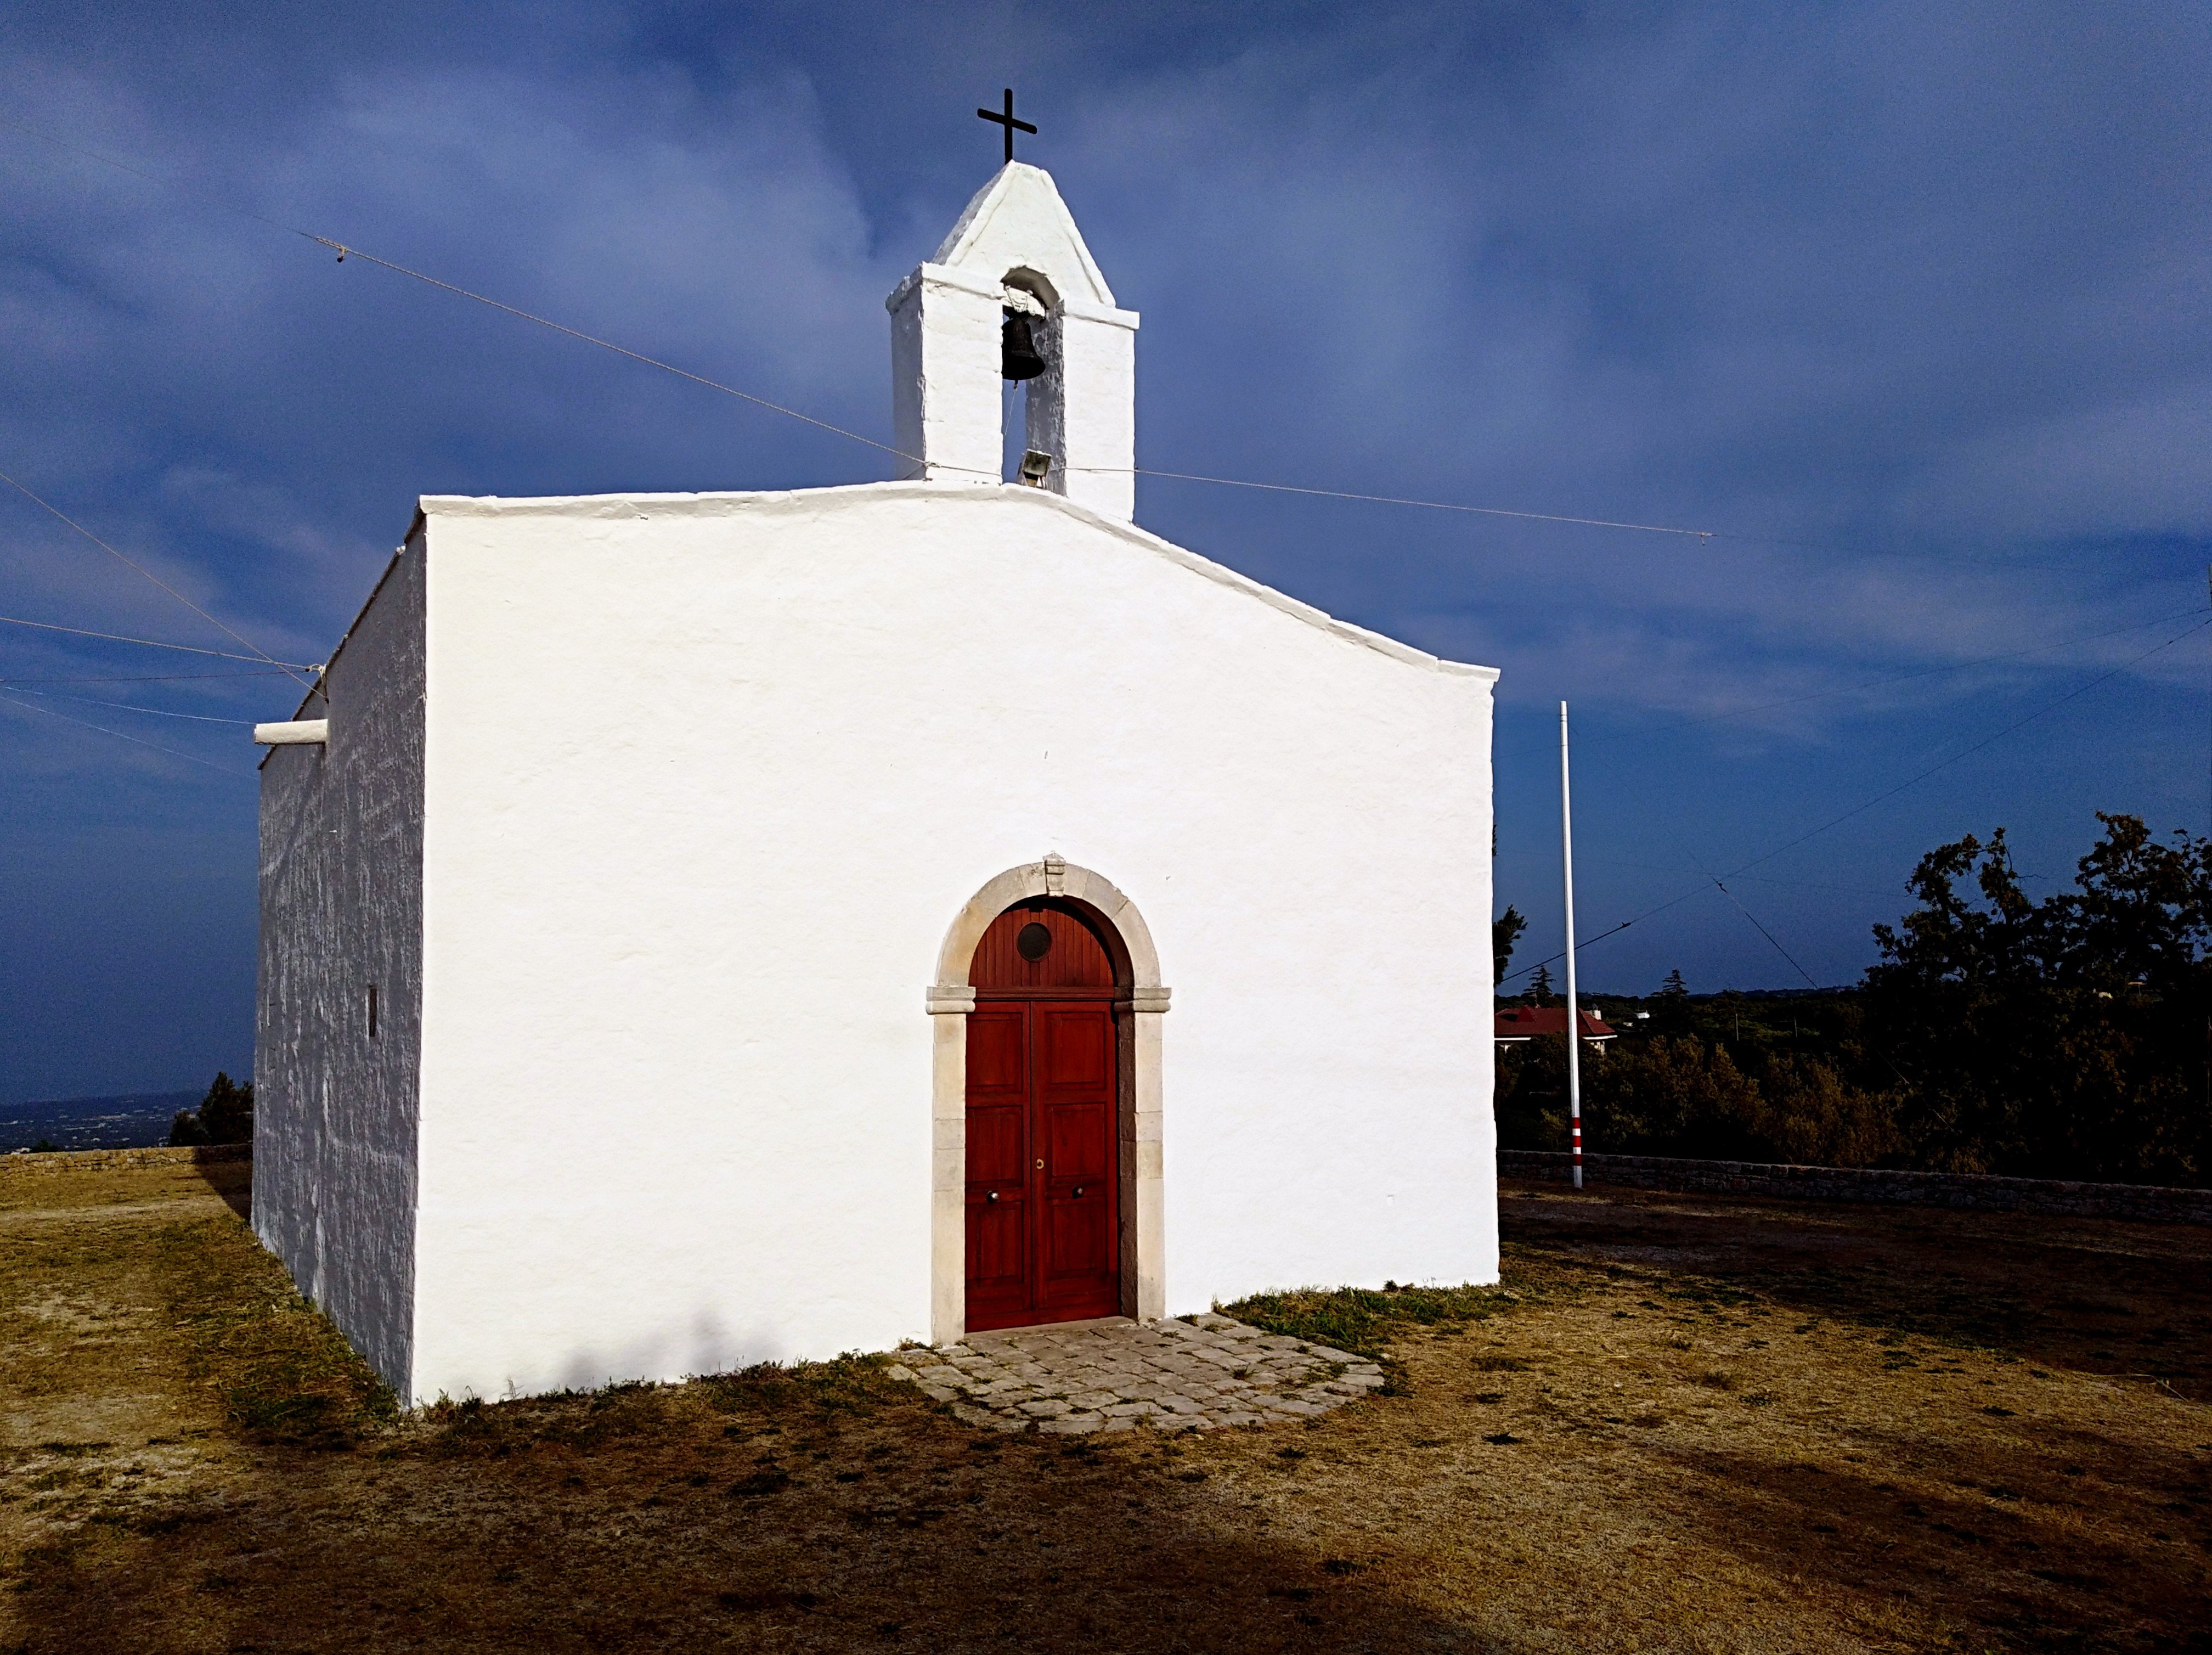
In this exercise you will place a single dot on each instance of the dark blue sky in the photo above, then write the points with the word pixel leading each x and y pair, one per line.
pixel 1918 295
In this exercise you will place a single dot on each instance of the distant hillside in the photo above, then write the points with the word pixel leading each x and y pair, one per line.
pixel 132 1121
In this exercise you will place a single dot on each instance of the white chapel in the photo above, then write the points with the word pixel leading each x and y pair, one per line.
pixel 704 929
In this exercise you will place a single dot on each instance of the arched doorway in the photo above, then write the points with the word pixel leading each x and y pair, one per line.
pixel 1043 1097
pixel 1139 1001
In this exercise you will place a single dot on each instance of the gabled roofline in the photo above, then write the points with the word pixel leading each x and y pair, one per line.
pixel 320 687
pixel 1009 496
pixel 976 218
pixel 415 526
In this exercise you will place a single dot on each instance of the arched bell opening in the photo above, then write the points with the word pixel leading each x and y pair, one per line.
pixel 1030 415
pixel 1047 1090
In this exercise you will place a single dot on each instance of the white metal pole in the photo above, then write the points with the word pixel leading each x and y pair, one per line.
pixel 1574 1006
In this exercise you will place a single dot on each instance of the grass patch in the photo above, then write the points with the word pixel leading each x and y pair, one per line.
pixel 1363 1320
pixel 771 1406
pixel 283 1373
pixel 848 1387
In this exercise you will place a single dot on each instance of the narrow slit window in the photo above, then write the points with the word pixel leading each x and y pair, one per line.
pixel 373 1010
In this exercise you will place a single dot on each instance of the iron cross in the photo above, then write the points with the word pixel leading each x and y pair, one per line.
pixel 1007 121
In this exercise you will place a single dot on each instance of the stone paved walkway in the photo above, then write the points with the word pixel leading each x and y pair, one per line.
pixel 1109 1376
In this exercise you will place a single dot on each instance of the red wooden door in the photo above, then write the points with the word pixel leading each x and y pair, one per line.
pixel 1043 1116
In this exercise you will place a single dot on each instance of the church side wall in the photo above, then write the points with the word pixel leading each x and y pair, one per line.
pixel 341 910
pixel 710 781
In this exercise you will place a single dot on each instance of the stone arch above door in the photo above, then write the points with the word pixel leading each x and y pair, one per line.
pixel 952 996
pixel 1053 877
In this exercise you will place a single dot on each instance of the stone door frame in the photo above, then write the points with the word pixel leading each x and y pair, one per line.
pixel 952 996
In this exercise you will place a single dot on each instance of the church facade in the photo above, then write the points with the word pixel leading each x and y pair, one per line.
pixel 698 929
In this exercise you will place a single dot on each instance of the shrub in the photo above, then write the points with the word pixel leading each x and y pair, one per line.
pixel 225 1116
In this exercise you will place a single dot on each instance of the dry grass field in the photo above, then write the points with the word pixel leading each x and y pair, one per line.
pixel 1684 1425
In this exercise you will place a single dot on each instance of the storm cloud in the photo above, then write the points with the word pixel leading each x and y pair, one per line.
pixel 1907 303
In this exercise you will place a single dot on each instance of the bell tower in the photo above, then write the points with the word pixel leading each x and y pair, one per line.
pixel 1014 293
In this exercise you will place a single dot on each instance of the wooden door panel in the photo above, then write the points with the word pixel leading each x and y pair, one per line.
pixel 997 1039
pixel 998 1149
pixel 1001 1215
pixel 998 1249
pixel 1075 1133
pixel 1078 1252
pixel 1077 1142
pixel 997 1098
pixel 1076 1048
pixel 1043 1116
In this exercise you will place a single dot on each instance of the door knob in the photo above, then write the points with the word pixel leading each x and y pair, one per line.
pixel 1040 1166
pixel 993 1195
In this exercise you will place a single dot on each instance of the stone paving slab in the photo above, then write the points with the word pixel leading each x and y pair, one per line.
pixel 1176 1375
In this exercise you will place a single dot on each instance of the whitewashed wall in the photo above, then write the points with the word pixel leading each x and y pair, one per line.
pixel 342 908
pixel 708 778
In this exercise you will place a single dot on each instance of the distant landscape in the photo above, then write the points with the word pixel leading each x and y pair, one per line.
pixel 2058 1036
pixel 135 1120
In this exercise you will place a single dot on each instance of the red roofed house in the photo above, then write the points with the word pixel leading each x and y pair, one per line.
pixel 1519 1023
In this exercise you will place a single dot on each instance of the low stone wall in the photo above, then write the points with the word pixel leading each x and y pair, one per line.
pixel 90 1160
pixel 2140 1201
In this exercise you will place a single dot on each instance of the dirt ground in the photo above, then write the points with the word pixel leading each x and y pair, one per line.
pixel 1684 1424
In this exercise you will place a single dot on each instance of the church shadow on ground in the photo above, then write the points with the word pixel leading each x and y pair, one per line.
pixel 635 1521
pixel 2092 1295
pixel 1693 1403
pixel 2037 1523
pixel 1998 1548
pixel 831 1510
pixel 232 1182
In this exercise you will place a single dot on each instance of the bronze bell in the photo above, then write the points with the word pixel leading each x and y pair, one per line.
pixel 1017 352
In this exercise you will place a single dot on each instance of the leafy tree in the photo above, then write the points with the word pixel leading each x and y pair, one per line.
pixel 2068 1036
pixel 1679 1095
pixel 1668 1096
pixel 1504 931
pixel 2141 916
pixel 1808 1115
pixel 2060 1038
pixel 225 1116
pixel 1539 987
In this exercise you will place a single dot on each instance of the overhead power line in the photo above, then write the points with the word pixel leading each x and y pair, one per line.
pixel 125 707
pixel 152 678
pixel 1697 862
pixel 1768 934
pixel 2048 707
pixel 191 758
pixel 1983 563
pixel 1860 809
pixel 1393 500
pixel 155 644
pixel 1762 878
pixel 133 563
pixel 345 250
